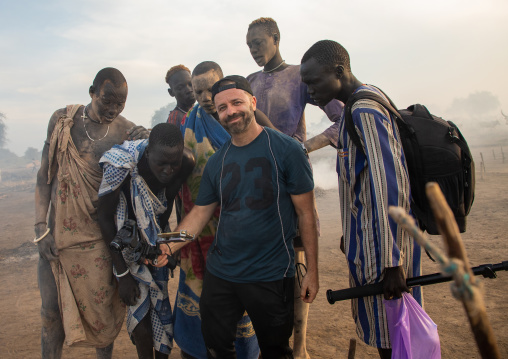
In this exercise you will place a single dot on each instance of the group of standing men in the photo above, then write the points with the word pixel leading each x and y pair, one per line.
pixel 238 160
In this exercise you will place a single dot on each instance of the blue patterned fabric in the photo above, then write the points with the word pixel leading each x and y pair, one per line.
pixel 205 126
pixel 117 163
pixel 371 180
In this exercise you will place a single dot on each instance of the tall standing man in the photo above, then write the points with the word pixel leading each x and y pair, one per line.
pixel 262 180
pixel 75 271
pixel 371 179
pixel 282 96
pixel 180 87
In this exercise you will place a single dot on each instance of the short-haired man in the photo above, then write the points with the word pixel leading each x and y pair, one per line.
pixel 263 183
pixel 203 135
pixel 370 179
pixel 180 87
pixel 140 179
pixel 282 96
pixel 75 271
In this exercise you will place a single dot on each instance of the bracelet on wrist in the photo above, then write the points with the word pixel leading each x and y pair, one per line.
pixel 121 275
pixel 36 240
pixel 304 149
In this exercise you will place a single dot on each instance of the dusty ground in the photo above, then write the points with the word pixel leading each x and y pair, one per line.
pixel 330 326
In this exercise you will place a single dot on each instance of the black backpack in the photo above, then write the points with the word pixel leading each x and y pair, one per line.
pixel 435 150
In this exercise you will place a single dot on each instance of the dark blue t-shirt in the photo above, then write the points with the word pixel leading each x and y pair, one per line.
pixel 254 239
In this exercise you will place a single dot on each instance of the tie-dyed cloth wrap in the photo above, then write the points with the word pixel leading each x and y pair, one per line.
pixel 203 135
pixel 117 163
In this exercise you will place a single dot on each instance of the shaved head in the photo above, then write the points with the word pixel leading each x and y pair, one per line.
pixel 107 74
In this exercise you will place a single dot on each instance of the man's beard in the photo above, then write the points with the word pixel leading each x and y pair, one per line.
pixel 239 127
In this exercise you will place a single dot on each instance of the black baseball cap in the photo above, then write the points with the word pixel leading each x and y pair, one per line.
pixel 239 82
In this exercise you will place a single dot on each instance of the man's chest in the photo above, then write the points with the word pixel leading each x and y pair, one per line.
pixel 92 145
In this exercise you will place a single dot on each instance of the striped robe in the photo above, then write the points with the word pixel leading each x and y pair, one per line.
pixel 368 184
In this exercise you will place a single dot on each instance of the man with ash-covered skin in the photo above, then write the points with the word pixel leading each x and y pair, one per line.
pixel 282 96
pixel 80 301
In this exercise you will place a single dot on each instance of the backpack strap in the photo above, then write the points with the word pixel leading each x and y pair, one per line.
pixel 367 95
pixel 461 142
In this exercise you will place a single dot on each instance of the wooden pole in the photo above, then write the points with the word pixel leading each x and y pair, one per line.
pixel 352 349
pixel 494 154
pixel 473 304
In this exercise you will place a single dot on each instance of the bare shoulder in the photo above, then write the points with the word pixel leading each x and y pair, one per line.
pixel 119 128
pixel 53 120
pixel 123 123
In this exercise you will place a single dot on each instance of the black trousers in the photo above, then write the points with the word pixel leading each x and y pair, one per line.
pixel 269 305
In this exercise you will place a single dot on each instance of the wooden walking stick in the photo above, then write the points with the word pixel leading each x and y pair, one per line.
pixel 470 294
pixel 352 349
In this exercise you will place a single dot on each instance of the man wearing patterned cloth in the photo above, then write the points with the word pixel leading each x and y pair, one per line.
pixel 180 87
pixel 370 179
pixel 140 179
pixel 80 302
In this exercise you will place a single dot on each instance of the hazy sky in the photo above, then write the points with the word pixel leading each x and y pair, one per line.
pixel 440 53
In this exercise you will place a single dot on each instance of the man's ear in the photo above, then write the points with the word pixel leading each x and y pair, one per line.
pixel 171 93
pixel 275 39
pixel 339 71
pixel 91 90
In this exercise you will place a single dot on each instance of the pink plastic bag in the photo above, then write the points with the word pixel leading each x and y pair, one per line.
pixel 413 334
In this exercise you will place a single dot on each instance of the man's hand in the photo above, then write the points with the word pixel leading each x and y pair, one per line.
pixel 47 246
pixel 310 287
pixel 137 133
pixel 394 283
pixel 162 258
pixel 128 289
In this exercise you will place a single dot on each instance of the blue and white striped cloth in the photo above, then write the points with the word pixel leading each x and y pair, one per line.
pixel 368 184
pixel 117 164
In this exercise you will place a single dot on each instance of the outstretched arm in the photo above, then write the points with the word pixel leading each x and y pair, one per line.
pixel 330 136
pixel 193 223
pixel 304 206
pixel 317 142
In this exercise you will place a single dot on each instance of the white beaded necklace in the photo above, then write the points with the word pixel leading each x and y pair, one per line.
pixel 275 68
pixel 84 117
pixel 179 108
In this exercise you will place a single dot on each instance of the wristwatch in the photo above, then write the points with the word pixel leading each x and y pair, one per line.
pixel 304 149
